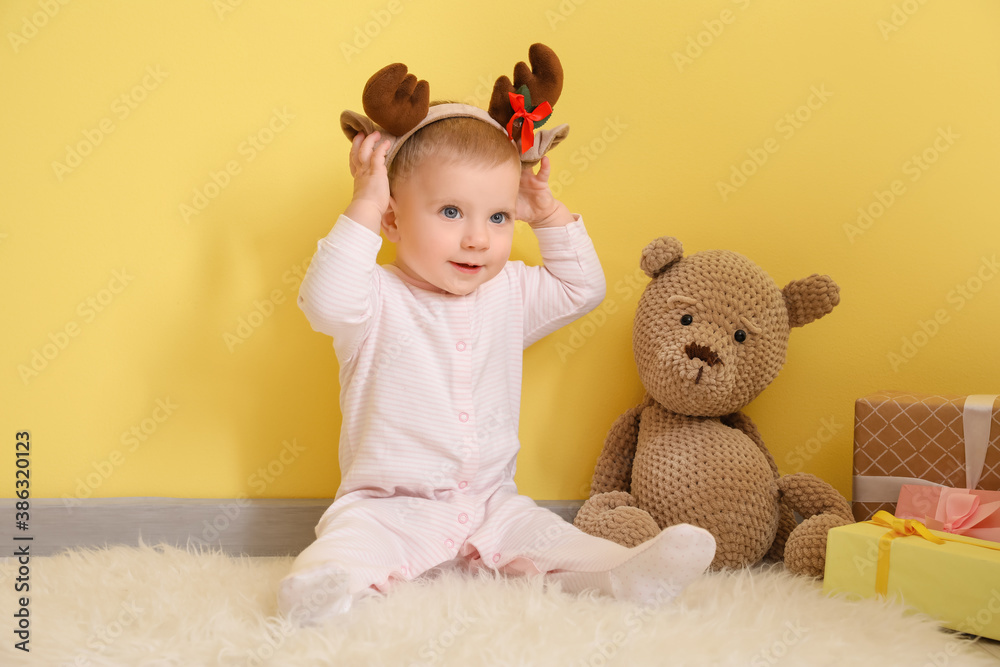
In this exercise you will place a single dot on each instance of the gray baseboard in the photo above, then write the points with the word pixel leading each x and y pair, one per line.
pixel 266 527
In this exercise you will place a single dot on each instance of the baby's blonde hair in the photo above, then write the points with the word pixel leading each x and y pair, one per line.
pixel 461 139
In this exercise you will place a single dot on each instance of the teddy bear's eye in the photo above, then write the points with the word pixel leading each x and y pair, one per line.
pixel 740 335
pixel 686 320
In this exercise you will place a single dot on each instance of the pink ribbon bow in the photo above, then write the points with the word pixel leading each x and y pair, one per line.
pixel 963 513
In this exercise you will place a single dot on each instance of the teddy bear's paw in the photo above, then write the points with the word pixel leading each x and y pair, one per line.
pixel 631 526
pixel 614 517
pixel 609 500
pixel 805 550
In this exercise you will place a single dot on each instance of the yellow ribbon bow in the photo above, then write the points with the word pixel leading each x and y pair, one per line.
pixel 897 528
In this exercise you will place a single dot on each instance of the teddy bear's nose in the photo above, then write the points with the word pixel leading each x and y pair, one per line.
pixel 703 352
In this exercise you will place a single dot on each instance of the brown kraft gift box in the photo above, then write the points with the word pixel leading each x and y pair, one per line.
pixel 906 438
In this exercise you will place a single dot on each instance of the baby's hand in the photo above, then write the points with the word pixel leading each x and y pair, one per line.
pixel 535 203
pixel 371 180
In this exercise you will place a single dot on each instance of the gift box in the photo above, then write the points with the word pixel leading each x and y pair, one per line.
pixel 973 513
pixel 952 578
pixel 905 438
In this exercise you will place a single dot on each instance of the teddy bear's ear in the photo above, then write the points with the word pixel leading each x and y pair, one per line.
pixel 810 299
pixel 660 254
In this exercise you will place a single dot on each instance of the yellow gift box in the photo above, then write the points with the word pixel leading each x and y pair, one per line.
pixel 952 578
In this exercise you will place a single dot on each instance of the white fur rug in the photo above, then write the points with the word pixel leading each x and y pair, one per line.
pixel 158 606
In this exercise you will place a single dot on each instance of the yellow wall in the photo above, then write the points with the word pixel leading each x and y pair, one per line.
pixel 136 301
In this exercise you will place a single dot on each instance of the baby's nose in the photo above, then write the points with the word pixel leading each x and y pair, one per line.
pixel 476 236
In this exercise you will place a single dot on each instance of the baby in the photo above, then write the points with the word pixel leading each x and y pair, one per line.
pixel 430 351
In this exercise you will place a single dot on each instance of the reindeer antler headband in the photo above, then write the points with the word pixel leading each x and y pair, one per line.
pixel 398 105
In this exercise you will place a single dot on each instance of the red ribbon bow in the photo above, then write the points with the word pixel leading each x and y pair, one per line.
pixel 540 112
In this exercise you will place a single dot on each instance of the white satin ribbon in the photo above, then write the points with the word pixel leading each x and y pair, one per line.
pixel 882 489
pixel 977 417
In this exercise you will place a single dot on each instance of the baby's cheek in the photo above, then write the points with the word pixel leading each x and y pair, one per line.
pixel 505 243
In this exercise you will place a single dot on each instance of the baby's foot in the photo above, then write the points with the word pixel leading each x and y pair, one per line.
pixel 315 596
pixel 664 566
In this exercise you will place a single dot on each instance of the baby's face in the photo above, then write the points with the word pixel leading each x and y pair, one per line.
pixel 454 223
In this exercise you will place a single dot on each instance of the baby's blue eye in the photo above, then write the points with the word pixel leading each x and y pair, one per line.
pixel 450 212
pixel 498 218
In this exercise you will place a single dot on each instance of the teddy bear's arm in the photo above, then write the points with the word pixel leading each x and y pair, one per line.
pixel 741 422
pixel 614 466
pixel 822 508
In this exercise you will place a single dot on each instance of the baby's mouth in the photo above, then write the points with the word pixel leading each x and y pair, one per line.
pixel 467 268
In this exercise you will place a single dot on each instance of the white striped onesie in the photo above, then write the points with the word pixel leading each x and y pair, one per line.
pixel 430 396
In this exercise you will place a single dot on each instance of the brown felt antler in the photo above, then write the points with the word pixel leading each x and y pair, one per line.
pixel 544 81
pixel 398 104
pixel 396 100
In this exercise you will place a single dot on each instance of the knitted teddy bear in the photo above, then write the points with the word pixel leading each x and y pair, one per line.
pixel 710 333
